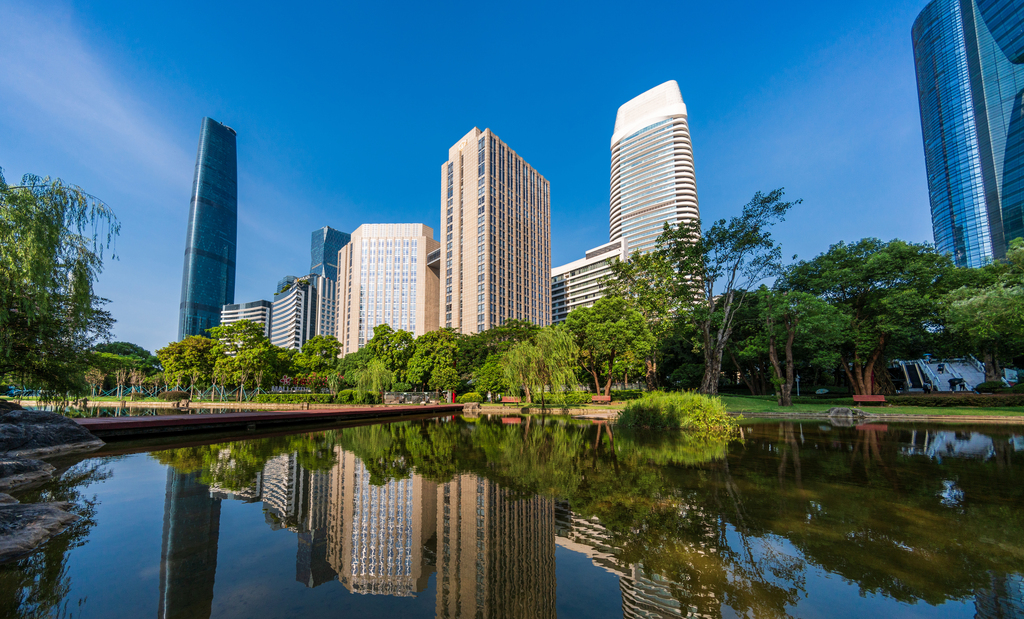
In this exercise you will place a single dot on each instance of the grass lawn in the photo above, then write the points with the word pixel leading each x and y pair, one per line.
pixel 765 404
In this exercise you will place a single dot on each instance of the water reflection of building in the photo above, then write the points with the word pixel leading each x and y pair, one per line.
pixel 1004 599
pixel 377 534
pixel 188 554
pixel 644 594
pixel 495 552
pixel 280 489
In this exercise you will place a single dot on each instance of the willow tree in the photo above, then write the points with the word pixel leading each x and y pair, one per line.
pixel 547 364
pixel 52 239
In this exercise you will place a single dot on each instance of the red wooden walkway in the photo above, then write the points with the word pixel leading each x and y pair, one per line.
pixel 125 427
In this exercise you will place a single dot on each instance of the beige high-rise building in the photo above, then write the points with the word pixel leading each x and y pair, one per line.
pixel 495 259
pixel 384 278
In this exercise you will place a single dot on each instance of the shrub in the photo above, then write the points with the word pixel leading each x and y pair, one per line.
pixel 293 398
pixel 401 387
pixel 961 401
pixel 472 396
pixel 173 396
pixel 621 395
pixel 989 387
pixel 1018 388
pixel 572 398
pixel 687 410
pixel 346 395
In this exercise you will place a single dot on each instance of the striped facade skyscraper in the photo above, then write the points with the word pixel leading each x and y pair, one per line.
pixel 652 174
pixel 496 236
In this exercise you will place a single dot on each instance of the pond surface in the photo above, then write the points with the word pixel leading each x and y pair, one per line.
pixel 521 518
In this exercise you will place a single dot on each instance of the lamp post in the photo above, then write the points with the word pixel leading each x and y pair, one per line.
pixel 798 385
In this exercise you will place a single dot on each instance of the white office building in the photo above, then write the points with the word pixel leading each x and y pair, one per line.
pixel 580 283
pixel 296 312
pixel 652 176
pixel 257 311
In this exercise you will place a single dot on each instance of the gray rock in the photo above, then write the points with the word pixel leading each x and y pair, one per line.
pixel 841 416
pixel 24 526
pixel 24 433
pixel 16 472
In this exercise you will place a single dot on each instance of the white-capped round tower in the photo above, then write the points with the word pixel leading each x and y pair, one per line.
pixel 652 175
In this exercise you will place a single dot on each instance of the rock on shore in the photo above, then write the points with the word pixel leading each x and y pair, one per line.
pixel 33 433
pixel 42 433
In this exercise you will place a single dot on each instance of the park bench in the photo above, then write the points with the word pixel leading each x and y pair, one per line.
pixel 864 399
pixel 509 400
pixel 601 399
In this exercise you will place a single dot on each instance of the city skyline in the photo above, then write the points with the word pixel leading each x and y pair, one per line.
pixel 777 117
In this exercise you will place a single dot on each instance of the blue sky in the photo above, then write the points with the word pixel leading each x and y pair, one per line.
pixel 345 112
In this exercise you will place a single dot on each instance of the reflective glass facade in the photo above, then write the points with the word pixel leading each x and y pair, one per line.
pixel 208 277
pixel 970 97
pixel 326 244
pixel 652 174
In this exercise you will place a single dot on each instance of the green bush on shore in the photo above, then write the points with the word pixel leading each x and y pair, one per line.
pixel 622 395
pixel 670 411
pixel 293 398
pixel 173 396
pixel 471 396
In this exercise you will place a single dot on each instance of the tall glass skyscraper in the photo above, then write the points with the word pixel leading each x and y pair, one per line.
pixel 652 177
pixel 970 81
pixel 208 278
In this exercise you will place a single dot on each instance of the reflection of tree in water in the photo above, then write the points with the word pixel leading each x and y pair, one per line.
pixel 38 585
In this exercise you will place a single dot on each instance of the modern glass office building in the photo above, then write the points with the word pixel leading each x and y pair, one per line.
pixel 652 175
pixel 326 244
pixel 970 90
pixel 208 277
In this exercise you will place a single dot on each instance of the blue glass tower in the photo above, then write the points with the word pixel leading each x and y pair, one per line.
pixel 326 244
pixel 970 79
pixel 208 278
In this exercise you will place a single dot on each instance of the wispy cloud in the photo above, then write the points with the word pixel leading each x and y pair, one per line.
pixel 53 82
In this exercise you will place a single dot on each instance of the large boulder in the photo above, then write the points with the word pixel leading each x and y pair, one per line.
pixel 23 526
pixel 42 433
pixel 20 471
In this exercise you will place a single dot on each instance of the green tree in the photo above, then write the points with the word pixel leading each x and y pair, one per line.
pixel 989 315
pixel 641 281
pixel 392 348
pixel 787 315
pixel 375 378
pixel 319 354
pixel 243 354
pixel 433 362
pixel 52 237
pixel 605 331
pixel 889 294
pixel 490 377
pixel 714 269
pixel 550 363
pixel 191 360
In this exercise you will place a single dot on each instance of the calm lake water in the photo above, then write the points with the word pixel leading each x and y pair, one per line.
pixel 524 519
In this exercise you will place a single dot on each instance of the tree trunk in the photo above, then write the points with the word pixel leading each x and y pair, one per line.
pixel 652 373
pixel 993 373
pixel 597 381
pixel 749 382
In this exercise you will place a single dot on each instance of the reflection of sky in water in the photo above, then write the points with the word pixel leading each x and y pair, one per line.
pixel 949 444
pixel 1017 441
